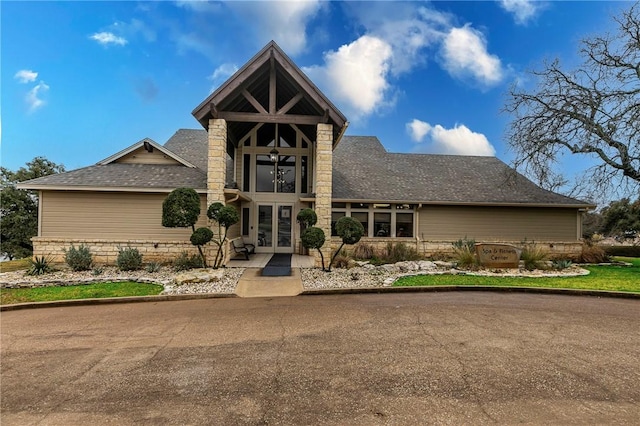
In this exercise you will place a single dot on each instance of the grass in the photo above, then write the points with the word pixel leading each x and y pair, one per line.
pixel 601 277
pixel 87 291
pixel 15 265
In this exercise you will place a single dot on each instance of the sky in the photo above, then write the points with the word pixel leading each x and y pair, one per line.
pixel 81 81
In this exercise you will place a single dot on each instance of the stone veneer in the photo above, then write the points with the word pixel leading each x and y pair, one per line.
pixel 216 174
pixel 323 183
pixel 445 248
pixel 105 252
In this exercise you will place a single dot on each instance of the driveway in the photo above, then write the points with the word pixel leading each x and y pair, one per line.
pixel 401 359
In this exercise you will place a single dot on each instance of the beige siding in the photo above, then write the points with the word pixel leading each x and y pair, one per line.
pixel 448 223
pixel 109 216
pixel 142 156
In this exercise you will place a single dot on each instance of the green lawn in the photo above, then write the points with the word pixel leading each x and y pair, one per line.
pixel 87 291
pixel 612 278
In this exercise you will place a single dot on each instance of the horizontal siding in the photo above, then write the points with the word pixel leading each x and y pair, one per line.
pixel 449 223
pixel 142 156
pixel 104 215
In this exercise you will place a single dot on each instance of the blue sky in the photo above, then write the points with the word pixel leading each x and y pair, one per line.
pixel 83 80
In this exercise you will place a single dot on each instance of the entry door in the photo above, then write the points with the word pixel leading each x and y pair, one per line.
pixel 275 228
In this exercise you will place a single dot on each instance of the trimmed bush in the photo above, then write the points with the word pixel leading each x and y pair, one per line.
pixel 624 251
pixel 78 259
pixel 185 262
pixel 201 236
pixel 313 238
pixel 307 217
pixel 129 259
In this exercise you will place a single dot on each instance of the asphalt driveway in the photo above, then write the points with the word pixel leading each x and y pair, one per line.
pixel 420 358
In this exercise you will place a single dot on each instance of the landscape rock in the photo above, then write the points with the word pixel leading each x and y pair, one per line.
pixel 195 276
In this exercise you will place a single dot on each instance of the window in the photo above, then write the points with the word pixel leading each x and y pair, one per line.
pixel 382 224
pixel 286 174
pixel 266 135
pixel 363 218
pixel 286 136
pixel 264 174
pixel 245 221
pixel 304 171
pixel 246 172
pixel 404 225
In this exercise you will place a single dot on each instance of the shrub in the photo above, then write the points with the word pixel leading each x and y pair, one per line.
pixel 350 230
pixel 313 238
pixel 97 271
pixel 625 251
pixel 129 259
pixel 201 236
pixel 593 254
pixel 561 264
pixel 39 266
pixel 465 242
pixel 363 251
pixel 185 262
pixel 152 267
pixel 400 252
pixel 465 256
pixel 533 256
pixel 342 260
pixel 78 259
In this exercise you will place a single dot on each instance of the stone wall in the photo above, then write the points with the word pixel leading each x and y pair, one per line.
pixel 105 252
pixel 323 184
pixel 445 248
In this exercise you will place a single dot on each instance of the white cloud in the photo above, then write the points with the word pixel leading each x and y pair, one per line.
pixel 464 54
pixel 34 96
pixel 105 38
pixel 285 22
pixel 221 74
pixel 199 6
pixel 459 140
pixel 523 10
pixel 356 75
pixel 26 76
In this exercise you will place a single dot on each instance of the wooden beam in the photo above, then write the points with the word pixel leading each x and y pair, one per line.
pixel 291 103
pixel 253 101
pixel 252 117
pixel 272 84
pixel 213 110
pixel 325 117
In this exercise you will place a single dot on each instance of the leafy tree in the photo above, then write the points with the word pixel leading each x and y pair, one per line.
pixel 313 238
pixel 592 111
pixel 225 216
pixel 19 207
pixel 350 230
pixel 181 209
pixel 620 217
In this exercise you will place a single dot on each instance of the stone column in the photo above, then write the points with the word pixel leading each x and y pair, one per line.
pixel 323 185
pixel 216 172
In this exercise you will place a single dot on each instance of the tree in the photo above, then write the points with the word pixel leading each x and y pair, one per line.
pixel 225 216
pixel 621 218
pixel 592 111
pixel 350 230
pixel 19 207
pixel 181 209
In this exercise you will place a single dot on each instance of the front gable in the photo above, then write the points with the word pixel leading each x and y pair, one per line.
pixel 146 151
pixel 270 88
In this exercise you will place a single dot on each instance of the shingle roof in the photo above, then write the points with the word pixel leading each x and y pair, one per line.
pixel 119 175
pixel 364 170
pixel 191 144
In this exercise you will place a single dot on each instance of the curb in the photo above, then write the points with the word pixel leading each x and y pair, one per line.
pixel 114 300
pixel 338 291
pixel 449 288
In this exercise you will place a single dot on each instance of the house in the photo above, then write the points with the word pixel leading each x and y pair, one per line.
pixel 271 144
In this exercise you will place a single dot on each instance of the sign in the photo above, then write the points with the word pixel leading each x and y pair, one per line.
pixel 498 255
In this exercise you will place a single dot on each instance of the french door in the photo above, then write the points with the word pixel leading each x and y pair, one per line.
pixel 275 228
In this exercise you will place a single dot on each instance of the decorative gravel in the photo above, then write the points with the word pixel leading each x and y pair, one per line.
pixel 224 281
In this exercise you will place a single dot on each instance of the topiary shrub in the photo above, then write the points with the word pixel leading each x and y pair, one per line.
pixel 225 216
pixel 313 238
pixel 78 259
pixel 201 236
pixel 307 218
pixel 129 259
pixel 350 230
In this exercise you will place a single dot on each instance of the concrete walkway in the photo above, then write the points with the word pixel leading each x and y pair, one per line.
pixel 253 284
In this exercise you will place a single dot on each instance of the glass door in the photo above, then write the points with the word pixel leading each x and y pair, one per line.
pixel 275 228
